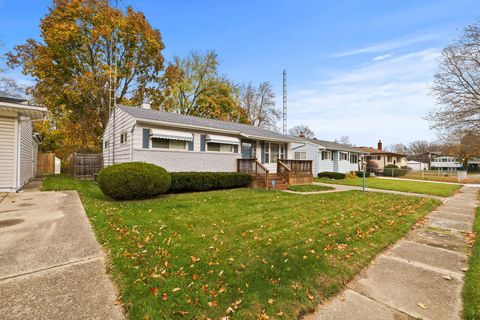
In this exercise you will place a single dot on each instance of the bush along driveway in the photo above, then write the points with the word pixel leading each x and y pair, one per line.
pixel 241 253
pixel 420 277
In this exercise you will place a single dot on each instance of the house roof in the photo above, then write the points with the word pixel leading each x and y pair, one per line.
pixel 333 145
pixel 376 151
pixel 22 109
pixel 163 117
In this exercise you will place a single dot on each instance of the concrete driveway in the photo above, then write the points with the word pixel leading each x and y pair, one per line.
pixel 51 266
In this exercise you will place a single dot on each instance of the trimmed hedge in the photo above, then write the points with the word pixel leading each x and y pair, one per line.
pixel 203 181
pixel 393 172
pixel 332 175
pixel 360 174
pixel 133 180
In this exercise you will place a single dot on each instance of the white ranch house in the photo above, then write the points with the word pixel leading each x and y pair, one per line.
pixel 18 143
pixel 327 155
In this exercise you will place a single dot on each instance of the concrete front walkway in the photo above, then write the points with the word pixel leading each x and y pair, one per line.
pixel 51 266
pixel 341 188
pixel 421 276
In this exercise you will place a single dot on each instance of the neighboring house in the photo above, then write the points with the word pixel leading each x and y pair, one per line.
pixel 18 143
pixel 445 162
pixel 417 165
pixel 379 158
pixel 186 143
pixel 327 155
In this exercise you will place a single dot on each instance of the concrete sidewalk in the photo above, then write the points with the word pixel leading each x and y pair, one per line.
pixel 51 266
pixel 341 188
pixel 421 276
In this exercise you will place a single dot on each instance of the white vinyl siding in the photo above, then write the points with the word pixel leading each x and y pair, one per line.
pixel 26 150
pixel 118 151
pixel 7 154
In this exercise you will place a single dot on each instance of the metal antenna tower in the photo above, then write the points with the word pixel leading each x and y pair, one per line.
pixel 284 102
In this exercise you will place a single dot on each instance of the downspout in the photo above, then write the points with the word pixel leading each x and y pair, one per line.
pixel 18 145
pixel 131 142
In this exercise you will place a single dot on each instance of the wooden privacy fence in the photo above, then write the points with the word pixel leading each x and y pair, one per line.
pixel 45 164
pixel 84 165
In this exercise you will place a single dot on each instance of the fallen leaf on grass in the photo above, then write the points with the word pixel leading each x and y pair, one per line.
pixel 270 301
pixel 164 297
pixel 154 291
pixel 213 303
pixel 465 269
pixel 182 313
pixel 175 289
pixel 194 259
pixel 310 296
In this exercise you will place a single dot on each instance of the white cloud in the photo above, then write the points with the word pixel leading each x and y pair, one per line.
pixel 385 99
pixel 382 57
pixel 390 44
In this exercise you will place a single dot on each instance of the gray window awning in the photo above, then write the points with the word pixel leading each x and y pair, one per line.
pixel 171 134
pixel 222 139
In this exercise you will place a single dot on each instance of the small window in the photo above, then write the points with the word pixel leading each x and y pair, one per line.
pixel 327 155
pixel 343 156
pixel 267 152
pixel 379 157
pixel 106 144
pixel 300 156
pixel 221 147
pixel 168 144
pixel 353 158
pixel 124 137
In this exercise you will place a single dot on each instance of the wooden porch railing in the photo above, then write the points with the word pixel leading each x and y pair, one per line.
pixel 254 167
pixel 283 171
pixel 297 166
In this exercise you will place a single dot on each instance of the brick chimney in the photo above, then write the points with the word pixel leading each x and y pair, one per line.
pixel 302 134
pixel 379 145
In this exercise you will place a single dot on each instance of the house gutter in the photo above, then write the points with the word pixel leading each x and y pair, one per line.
pixel 202 128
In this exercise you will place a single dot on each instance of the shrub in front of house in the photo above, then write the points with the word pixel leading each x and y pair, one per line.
pixel 133 180
pixel 360 174
pixel 203 181
pixel 331 175
pixel 392 170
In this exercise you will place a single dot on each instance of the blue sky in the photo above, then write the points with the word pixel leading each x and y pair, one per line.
pixel 356 68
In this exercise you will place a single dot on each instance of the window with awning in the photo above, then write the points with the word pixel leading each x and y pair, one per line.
pixel 222 139
pixel 171 135
pixel 219 143
pixel 171 139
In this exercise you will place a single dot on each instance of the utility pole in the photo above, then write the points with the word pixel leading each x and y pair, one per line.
pixel 284 102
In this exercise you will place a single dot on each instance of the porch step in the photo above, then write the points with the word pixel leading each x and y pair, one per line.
pixel 281 186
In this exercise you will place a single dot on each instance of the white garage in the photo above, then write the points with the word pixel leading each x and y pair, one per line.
pixel 18 143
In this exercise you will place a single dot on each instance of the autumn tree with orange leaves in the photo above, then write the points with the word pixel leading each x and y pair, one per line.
pixel 74 68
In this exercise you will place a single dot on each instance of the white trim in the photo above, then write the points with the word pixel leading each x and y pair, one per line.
pixel 171 134
pixel 33 112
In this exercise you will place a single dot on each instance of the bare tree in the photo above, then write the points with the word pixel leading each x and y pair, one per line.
pixel 344 140
pixel 8 86
pixel 259 104
pixel 397 148
pixel 457 84
pixel 464 147
pixel 297 130
pixel 422 146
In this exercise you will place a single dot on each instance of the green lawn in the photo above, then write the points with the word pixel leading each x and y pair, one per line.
pixel 436 189
pixel 471 289
pixel 244 253
pixel 309 188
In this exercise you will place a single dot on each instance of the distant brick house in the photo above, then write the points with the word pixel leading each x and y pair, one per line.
pixel 379 158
